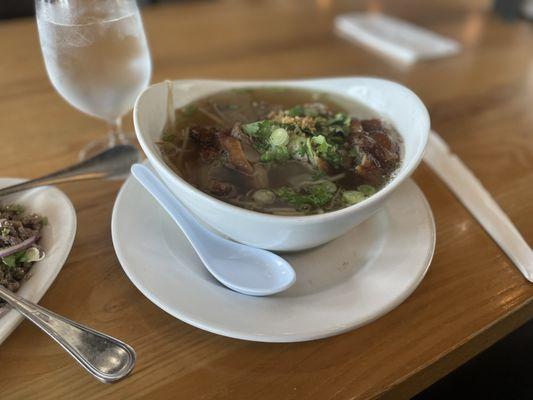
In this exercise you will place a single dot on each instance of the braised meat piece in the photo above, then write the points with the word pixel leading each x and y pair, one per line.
pixel 213 140
pixel 207 141
pixel 221 189
pixel 205 135
pixel 379 154
pixel 235 153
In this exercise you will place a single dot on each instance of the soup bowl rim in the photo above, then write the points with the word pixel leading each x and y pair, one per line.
pixel 157 161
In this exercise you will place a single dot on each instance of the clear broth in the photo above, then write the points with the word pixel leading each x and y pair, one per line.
pixel 222 111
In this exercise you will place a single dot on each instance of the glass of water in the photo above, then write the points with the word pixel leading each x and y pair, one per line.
pixel 97 58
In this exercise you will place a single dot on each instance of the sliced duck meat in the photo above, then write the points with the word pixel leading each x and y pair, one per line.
pixel 372 125
pixel 221 189
pixel 378 152
pixel 236 156
pixel 252 155
pixel 205 134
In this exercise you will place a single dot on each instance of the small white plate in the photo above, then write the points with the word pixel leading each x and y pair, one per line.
pixel 339 286
pixel 56 239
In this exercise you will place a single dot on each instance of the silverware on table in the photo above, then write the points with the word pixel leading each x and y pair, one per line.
pixel 110 164
pixel 106 358
pixel 469 190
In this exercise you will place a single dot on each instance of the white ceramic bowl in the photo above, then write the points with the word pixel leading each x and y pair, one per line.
pixel 393 102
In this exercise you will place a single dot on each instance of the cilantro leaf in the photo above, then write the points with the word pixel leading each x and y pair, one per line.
pixel 326 151
pixel 276 153
pixel 13 259
pixel 15 208
pixel 259 129
pixel 339 119
pixel 316 195
pixel 10 260
pixel 296 111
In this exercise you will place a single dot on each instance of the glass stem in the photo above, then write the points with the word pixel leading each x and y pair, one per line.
pixel 115 134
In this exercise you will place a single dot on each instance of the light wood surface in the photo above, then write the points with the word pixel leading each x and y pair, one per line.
pixel 480 102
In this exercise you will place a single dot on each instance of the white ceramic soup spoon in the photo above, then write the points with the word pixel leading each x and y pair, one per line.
pixel 245 269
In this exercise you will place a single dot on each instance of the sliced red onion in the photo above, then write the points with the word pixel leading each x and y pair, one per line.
pixel 6 251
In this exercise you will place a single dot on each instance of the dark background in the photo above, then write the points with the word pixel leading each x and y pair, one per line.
pixel 23 8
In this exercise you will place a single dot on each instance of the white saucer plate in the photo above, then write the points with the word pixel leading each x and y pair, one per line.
pixel 56 240
pixel 339 286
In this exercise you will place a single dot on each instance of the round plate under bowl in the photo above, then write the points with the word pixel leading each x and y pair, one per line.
pixel 339 286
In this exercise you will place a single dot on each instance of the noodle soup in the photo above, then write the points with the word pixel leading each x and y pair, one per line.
pixel 282 151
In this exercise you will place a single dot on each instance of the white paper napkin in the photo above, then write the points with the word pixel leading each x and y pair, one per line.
pixel 469 190
pixel 395 38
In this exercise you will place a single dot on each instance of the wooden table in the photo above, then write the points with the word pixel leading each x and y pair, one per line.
pixel 480 102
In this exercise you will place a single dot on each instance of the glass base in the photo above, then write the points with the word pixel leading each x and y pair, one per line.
pixel 97 146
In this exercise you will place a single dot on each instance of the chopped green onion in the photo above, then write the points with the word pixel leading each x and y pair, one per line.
pixel 310 151
pixel 264 196
pixel 320 139
pixel 353 196
pixel 326 151
pixel 297 145
pixel 329 186
pixel 279 137
pixel 32 254
pixel 367 190
pixel 251 128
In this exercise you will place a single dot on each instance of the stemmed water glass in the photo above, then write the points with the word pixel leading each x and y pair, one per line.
pixel 97 58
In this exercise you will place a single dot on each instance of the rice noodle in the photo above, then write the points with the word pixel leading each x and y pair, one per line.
pixel 242 203
pixel 217 110
pixel 211 116
pixel 318 181
pixel 185 141
pixel 285 212
pixel 260 177
pixel 337 177
pixel 238 117
pixel 170 125
pixel 333 199
pixel 175 149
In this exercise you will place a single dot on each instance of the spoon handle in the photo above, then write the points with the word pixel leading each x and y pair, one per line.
pixel 103 356
pixel 190 227
pixel 111 163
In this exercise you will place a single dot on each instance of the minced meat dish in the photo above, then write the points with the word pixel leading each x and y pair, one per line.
pixel 19 250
